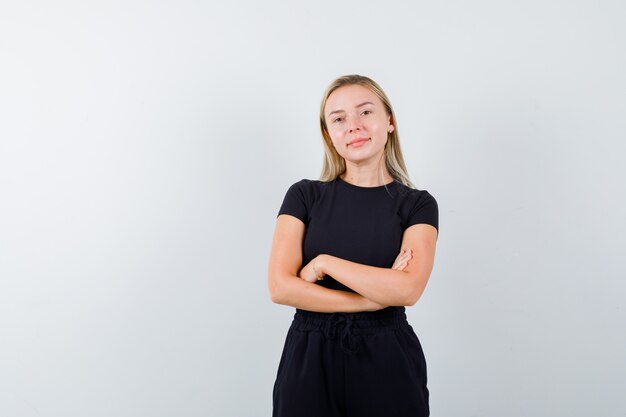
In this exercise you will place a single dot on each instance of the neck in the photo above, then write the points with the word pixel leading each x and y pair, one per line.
pixel 363 178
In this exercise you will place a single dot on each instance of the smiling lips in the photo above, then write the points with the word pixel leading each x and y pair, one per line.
pixel 358 142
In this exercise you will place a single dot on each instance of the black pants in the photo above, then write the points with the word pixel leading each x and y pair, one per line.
pixel 351 365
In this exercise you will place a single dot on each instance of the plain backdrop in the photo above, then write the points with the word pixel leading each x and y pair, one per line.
pixel 146 147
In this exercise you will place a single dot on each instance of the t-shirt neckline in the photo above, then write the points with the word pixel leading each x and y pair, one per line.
pixel 357 187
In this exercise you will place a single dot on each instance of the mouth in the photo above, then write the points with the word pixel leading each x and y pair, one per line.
pixel 358 141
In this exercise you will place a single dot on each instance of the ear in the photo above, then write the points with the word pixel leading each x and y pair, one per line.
pixel 391 126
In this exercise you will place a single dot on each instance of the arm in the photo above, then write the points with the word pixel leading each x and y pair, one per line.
pixel 298 293
pixel 389 286
pixel 285 287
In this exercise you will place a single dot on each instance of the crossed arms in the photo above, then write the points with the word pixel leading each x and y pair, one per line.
pixel 375 287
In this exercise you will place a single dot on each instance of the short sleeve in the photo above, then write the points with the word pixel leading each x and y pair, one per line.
pixel 295 202
pixel 426 210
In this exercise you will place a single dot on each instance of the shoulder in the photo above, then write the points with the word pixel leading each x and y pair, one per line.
pixel 418 206
pixel 415 195
pixel 308 187
pixel 300 198
pixel 305 191
pixel 305 183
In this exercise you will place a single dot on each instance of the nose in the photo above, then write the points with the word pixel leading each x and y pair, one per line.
pixel 354 124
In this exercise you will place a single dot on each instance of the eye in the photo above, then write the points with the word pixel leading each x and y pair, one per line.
pixel 337 119
pixel 365 112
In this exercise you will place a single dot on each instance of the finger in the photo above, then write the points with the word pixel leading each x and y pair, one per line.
pixel 403 257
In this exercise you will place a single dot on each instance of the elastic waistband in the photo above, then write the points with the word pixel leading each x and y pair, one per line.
pixel 349 326
pixel 363 322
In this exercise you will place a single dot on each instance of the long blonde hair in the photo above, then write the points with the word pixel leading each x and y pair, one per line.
pixel 334 164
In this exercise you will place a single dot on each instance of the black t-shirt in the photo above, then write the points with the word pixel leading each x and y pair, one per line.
pixel 359 224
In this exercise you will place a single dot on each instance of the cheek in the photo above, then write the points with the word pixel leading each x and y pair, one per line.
pixel 377 124
pixel 380 128
pixel 335 134
pixel 336 141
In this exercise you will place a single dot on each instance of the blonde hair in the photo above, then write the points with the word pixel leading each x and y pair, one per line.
pixel 334 164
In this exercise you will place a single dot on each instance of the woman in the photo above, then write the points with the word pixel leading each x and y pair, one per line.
pixel 366 238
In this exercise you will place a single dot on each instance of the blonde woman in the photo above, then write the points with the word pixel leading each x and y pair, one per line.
pixel 350 251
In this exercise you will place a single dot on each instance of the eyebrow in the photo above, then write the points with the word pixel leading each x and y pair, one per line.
pixel 340 111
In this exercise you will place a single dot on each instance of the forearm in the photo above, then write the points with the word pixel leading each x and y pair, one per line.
pixel 306 295
pixel 386 286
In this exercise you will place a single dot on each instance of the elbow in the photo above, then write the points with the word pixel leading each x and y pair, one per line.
pixel 276 289
pixel 275 297
pixel 414 293
pixel 412 299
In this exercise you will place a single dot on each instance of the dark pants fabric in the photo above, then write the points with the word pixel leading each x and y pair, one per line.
pixel 351 365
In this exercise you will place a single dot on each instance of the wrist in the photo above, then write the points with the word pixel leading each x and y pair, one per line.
pixel 320 263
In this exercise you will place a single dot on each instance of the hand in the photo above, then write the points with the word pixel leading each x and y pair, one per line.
pixel 402 260
pixel 310 273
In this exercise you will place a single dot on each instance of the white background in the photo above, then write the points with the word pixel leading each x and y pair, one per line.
pixel 145 148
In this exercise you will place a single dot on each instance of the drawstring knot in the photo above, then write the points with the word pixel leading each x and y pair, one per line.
pixel 347 342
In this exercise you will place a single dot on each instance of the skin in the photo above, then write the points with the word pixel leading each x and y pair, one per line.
pixel 352 112
pixel 311 274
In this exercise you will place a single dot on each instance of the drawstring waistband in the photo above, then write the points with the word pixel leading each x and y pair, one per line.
pixel 335 322
pixel 349 326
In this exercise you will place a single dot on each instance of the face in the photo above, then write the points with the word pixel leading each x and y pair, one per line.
pixel 357 122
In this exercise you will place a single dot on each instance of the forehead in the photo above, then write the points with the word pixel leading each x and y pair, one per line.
pixel 350 96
